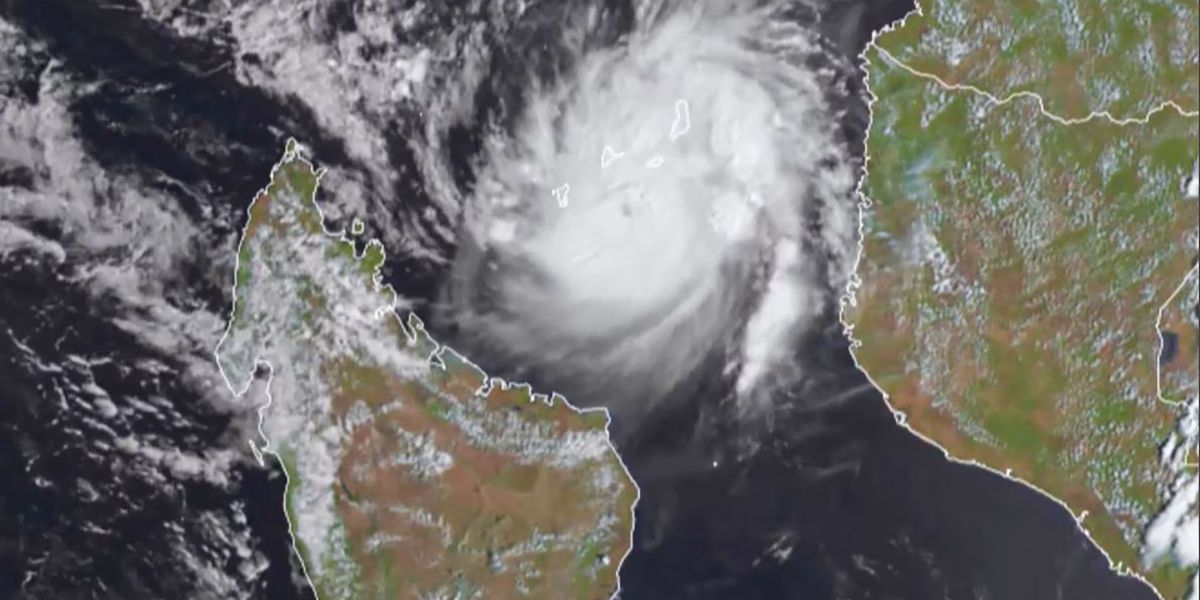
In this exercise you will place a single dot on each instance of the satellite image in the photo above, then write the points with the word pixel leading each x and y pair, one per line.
pixel 599 299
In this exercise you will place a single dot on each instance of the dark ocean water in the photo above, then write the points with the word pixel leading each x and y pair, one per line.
pixel 79 518
pixel 837 502
pixel 867 509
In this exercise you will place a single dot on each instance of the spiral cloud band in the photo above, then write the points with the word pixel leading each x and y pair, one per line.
pixel 678 196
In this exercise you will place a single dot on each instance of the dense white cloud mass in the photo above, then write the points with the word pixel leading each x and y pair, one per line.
pixel 649 204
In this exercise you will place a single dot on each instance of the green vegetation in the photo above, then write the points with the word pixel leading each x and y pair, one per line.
pixel 245 257
pixel 313 301
pixel 242 280
pixel 1080 57
pixel 372 258
pixel 431 482
pixel 586 559
pixel 287 459
pixel 437 408
pixel 1014 265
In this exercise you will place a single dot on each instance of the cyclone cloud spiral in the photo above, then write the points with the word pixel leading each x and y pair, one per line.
pixel 681 194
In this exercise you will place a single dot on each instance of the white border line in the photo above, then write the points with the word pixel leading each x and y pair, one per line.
pixel 293 152
pixel 1162 343
pixel 1104 114
pixel 848 298
pixel 267 448
pixel 1158 364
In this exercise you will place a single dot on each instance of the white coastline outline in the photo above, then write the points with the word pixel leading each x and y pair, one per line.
pixel 1187 278
pixel 849 295
pixel 293 152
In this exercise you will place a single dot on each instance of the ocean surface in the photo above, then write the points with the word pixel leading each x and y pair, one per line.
pixel 133 136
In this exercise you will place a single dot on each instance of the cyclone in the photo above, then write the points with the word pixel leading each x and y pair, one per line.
pixel 678 200
pixel 645 205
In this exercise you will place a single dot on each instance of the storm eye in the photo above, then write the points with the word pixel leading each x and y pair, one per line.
pixel 642 187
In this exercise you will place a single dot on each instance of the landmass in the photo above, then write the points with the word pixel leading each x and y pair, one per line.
pixel 1019 245
pixel 1079 57
pixel 411 473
